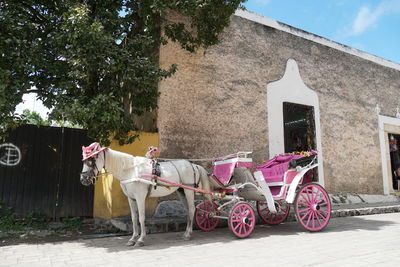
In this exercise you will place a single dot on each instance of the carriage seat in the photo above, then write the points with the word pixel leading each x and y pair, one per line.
pixel 224 167
pixel 274 169
pixel 274 174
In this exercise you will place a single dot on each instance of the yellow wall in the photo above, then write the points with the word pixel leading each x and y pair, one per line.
pixel 109 200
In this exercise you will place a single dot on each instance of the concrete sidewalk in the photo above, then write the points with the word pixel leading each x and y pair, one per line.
pixel 170 215
pixel 348 241
pixel 362 204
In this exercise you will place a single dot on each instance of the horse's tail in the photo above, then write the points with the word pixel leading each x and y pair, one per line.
pixel 204 181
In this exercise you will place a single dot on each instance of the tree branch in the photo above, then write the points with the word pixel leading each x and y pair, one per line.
pixel 34 12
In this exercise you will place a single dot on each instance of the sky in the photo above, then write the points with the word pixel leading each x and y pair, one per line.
pixel 30 102
pixel 372 26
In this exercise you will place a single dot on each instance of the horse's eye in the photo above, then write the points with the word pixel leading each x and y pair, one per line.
pixel 89 163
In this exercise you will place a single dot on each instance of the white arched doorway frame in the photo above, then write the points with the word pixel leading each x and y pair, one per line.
pixel 387 125
pixel 291 88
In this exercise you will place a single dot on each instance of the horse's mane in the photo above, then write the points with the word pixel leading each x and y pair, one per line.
pixel 117 162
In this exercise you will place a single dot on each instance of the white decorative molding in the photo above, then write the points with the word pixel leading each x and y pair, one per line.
pixel 315 38
pixel 291 88
pixel 385 153
pixel 378 109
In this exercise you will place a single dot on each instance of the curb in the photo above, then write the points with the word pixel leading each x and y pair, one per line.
pixel 365 211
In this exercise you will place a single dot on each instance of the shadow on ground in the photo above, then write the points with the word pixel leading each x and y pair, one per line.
pixel 223 235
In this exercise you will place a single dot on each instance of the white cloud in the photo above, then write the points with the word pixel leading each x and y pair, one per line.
pixel 263 2
pixel 367 18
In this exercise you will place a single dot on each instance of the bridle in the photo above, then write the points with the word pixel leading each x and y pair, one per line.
pixel 90 162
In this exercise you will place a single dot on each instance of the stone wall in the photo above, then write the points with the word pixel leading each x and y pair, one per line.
pixel 216 102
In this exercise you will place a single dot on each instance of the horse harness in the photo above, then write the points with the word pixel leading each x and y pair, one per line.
pixel 156 171
pixel 92 162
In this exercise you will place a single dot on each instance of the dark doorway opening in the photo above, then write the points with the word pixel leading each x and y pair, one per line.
pixel 299 130
pixel 299 127
pixel 394 141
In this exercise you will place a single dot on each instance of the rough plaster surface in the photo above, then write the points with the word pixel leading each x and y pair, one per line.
pixel 216 103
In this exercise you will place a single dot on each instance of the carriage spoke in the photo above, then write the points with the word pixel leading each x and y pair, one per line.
pixel 309 218
pixel 320 215
pixel 316 216
pixel 303 210
pixel 237 226
pixel 261 210
pixel 205 219
pixel 313 219
pixel 302 218
pixel 201 212
pixel 316 196
pixel 241 211
pixel 304 203
pixel 324 211
pixel 306 198
pixel 240 228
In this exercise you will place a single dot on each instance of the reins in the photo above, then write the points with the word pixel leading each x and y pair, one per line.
pixel 205 159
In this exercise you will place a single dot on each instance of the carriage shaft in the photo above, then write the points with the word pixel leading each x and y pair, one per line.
pixel 171 183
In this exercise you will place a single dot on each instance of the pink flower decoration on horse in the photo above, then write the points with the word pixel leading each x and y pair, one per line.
pixel 152 152
pixel 91 150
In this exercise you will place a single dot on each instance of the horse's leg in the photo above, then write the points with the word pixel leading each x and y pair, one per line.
pixel 189 195
pixel 184 201
pixel 140 200
pixel 134 216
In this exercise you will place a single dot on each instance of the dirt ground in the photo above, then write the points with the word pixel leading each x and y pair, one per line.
pixel 55 232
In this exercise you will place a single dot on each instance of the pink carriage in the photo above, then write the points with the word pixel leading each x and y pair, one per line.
pixel 274 185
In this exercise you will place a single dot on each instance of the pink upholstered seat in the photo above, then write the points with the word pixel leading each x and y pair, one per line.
pixel 275 173
pixel 274 169
pixel 223 168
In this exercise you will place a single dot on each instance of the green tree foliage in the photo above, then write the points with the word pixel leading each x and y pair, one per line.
pixel 32 117
pixel 95 62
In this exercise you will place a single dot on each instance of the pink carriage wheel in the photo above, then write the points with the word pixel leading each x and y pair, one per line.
pixel 313 207
pixel 203 216
pixel 282 212
pixel 242 220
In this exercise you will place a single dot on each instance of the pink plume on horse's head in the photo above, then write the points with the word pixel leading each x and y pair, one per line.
pixel 91 150
pixel 152 152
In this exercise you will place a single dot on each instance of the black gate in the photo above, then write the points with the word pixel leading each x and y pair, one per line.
pixel 39 171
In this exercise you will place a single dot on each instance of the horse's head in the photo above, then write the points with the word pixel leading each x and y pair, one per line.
pixel 93 163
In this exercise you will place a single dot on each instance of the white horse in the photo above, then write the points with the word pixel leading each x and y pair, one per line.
pixel 128 170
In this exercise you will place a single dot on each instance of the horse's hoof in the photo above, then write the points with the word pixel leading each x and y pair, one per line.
pixel 130 243
pixel 186 238
pixel 139 244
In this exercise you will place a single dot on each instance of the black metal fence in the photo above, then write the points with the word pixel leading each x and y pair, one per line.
pixel 39 171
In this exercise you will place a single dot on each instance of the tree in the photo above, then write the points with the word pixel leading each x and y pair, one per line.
pixel 95 63
pixel 32 117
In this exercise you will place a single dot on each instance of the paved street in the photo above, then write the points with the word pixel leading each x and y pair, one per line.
pixel 349 241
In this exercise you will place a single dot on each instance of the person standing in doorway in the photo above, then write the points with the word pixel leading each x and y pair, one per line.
pixel 395 160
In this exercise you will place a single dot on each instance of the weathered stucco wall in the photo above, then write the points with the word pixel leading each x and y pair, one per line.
pixel 216 103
